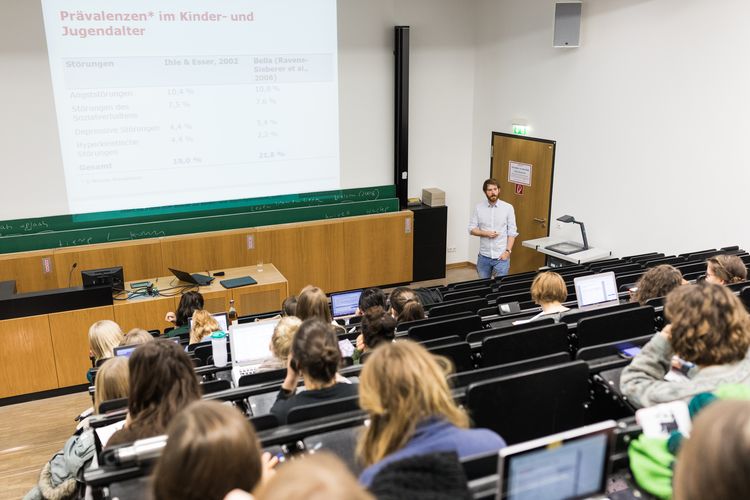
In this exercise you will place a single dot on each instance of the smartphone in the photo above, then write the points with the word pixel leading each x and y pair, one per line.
pixel 629 351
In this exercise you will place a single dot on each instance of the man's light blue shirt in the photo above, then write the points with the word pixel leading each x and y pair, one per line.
pixel 499 217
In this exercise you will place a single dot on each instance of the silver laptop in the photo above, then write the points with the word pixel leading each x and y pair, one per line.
pixel 596 290
pixel 571 464
pixel 249 343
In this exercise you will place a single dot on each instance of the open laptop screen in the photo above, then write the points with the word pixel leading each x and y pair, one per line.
pixel 127 350
pixel 596 289
pixel 571 464
pixel 250 342
pixel 345 304
pixel 220 318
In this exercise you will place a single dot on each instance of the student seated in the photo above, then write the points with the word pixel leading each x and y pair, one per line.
pixel 377 327
pixel 137 336
pixel 710 329
pixel 412 310
pixel 289 306
pixel 281 343
pixel 189 303
pixel 104 336
pixel 548 290
pixel 211 450
pixel 713 462
pixel 203 325
pixel 370 297
pixel 59 477
pixel 316 357
pixel 656 282
pixel 162 382
pixel 725 269
pixel 398 299
pixel 403 389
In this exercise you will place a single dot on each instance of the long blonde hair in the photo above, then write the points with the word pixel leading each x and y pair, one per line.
pixel 203 325
pixel 104 336
pixel 401 385
pixel 283 334
pixel 111 381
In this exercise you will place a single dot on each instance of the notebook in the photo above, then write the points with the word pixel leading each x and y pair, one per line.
pixel 345 303
pixel 596 290
pixel 571 464
pixel 195 278
pixel 250 346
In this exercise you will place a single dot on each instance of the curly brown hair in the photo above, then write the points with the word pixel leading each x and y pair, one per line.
pixel 710 326
pixel 728 268
pixel 657 282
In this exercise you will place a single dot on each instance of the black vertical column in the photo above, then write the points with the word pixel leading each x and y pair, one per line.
pixel 401 114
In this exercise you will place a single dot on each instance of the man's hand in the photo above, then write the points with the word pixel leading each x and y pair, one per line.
pixel 505 255
pixel 491 234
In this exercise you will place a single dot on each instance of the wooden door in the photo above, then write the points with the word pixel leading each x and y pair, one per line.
pixel 524 166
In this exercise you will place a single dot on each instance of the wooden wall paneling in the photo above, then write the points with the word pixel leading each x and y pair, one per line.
pixel 70 342
pixel 378 249
pixel 305 253
pixel 27 360
pixel 147 313
pixel 217 301
pixel 29 271
pixel 259 298
pixel 139 259
pixel 202 251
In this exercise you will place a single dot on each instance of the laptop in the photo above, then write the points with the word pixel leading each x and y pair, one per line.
pixel 345 303
pixel 571 464
pixel 596 290
pixel 195 278
pixel 250 346
pixel 127 350
pixel 220 318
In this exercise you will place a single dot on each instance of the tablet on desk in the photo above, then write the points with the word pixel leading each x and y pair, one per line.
pixel 236 282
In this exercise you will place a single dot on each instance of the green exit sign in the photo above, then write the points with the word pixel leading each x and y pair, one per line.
pixel 520 129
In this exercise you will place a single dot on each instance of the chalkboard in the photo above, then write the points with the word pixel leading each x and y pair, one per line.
pixel 42 239
pixel 166 213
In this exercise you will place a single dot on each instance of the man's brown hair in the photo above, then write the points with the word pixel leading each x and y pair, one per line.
pixel 490 182
pixel 710 326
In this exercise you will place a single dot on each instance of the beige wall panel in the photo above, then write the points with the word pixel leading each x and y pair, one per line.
pixel 70 342
pixel 139 259
pixel 146 313
pixel 378 250
pixel 28 270
pixel 27 361
pixel 202 251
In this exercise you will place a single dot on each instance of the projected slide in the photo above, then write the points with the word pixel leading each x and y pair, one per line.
pixel 163 103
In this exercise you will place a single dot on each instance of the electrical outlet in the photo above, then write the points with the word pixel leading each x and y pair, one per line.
pixel 451 249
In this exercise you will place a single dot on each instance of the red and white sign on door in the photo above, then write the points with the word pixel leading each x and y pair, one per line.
pixel 519 189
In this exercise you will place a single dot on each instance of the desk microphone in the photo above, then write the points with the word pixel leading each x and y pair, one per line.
pixel 70 274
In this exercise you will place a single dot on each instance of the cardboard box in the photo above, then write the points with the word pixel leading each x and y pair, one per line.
pixel 433 197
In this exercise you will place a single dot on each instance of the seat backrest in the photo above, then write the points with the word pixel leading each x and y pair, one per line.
pixel 623 268
pixel 611 348
pixel 472 305
pixel 575 315
pixel 463 285
pixel 614 326
pixel 531 342
pixel 263 377
pixel 745 297
pixel 469 293
pixel 480 335
pixel 341 442
pixel 514 296
pixel 264 422
pixel 450 339
pixel 215 386
pixel 260 404
pixel 643 257
pixel 664 260
pixel 112 404
pixel 403 327
pixel 459 353
pixel 465 378
pixel 532 404
pixel 322 409
pixel 457 326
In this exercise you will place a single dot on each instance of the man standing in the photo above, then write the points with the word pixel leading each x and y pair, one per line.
pixel 494 221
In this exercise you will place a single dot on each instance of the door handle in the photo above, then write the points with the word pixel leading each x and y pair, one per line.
pixel 540 221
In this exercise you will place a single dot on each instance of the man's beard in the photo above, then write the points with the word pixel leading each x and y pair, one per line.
pixel 492 198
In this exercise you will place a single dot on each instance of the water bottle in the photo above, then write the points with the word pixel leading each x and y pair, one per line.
pixel 219 348
pixel 232 315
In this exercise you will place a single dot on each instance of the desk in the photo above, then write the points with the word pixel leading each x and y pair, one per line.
pixel 51 351
pixel 149 312
pixel 583 257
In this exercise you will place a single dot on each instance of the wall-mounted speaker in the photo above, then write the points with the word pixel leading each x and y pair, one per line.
pixel 567 24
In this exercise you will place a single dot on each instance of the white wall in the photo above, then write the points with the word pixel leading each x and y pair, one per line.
pixel 650 115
